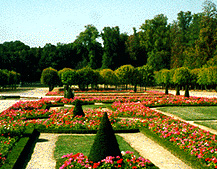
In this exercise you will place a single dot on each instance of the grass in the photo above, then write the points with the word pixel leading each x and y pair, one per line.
pixel 81 144
pixel 212 125
pixel 93 106
pixel 192 113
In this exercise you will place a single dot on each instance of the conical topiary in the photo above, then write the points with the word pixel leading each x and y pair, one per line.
pixel 105 143
pixel 78 111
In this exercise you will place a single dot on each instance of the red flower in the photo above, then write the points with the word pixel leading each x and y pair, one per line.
pixel 120 161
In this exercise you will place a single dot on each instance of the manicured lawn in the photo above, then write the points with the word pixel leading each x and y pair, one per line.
pixel 81 144
pixel 93 106
pixel 192 113
pixel 212 125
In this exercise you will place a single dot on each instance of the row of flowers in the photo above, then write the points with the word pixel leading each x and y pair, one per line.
pixel 128 160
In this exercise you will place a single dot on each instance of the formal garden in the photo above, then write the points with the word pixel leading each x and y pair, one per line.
pixel 87 105
pixel 125 111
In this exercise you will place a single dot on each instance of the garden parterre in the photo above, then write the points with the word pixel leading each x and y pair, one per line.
pixel 197 142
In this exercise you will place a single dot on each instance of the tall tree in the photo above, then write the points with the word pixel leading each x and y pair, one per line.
pixel 180 37
pixel 205 45
pixel 111 41
pixel 138 55
pixel 155 39
pixel 88 39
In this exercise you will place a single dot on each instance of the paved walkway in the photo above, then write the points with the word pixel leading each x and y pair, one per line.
pixel 42 157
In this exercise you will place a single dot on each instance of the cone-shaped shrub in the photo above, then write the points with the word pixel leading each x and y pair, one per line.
pixel 78 111
pixel 105 143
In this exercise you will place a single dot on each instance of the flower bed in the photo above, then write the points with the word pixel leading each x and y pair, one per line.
pixel 128 160
pixel 6 144
pixel 198 143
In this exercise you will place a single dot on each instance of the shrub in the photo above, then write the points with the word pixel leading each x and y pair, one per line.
pixel 105 143
pixel 78 111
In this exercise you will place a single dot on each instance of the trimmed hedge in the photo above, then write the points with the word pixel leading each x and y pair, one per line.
pixel 20 151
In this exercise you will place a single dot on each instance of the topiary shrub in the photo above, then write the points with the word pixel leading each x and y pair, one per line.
pixel 78 111
pixel 68 92
pixel 105 143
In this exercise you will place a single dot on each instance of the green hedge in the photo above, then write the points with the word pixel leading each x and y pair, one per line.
pixel 20 151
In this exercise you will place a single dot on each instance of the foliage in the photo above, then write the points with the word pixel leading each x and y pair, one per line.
pixel 4 77
pixel 182 76
pixel 147 75
pixel 162 77
pixel 207 76
pixel 49 77
pixel 85 77
pixel 78 111
pixel 108 76
pixel 125 74
pixel 69 77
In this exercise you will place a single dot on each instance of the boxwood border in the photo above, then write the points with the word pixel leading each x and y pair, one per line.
pixel 19 153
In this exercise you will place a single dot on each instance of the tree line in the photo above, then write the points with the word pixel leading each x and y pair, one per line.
pixel 183 77
pixel 190 41
pixel 9 78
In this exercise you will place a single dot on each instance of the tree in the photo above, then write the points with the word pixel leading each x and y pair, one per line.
pixel 147 75
pixel 88 39
pixel 137 53
pixel 4 77
pixel 85 77
pixel 163 78
pixel 108 77
pixel 68 77
pixel 182 77
pixel 13 78
pixel 155 39
pixel 50 77
pixel 48 57
pixel 205 44
pixel 125 74
pixel 180 36
pixel 105 143
pixel 111 41
pixel 207 76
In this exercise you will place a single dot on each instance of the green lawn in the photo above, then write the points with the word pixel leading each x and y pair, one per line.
pixel 192 112
pixel 212 125
pixel 93 106
pixel 81 144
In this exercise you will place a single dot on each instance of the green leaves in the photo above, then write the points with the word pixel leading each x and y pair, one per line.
pixel 50 77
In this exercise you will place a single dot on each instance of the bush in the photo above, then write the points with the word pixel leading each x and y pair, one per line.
pixel 78 111
pixel 105 143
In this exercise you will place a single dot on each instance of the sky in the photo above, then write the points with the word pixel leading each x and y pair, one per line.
pixel 37 22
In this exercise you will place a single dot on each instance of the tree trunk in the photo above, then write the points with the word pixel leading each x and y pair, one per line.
pixel 135 88
pixel 186 91
pixel 166 90
pixel 177 90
